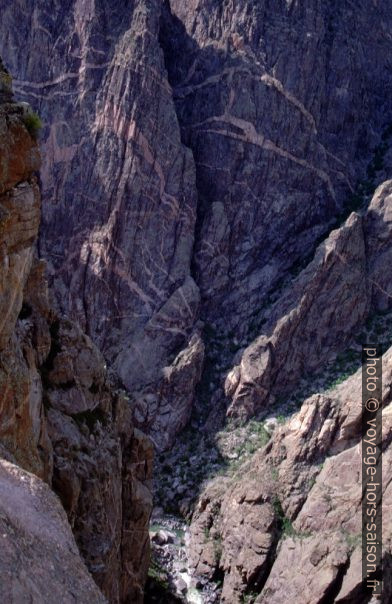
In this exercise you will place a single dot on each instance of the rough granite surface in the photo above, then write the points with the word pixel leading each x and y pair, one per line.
pixel 62 421
pixel 216 222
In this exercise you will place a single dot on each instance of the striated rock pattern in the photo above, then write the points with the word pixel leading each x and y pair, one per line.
pixel 61 420
pixel 279 102
pixel 208 168
pixel 119 194
pixel 320 310
pixel 194 154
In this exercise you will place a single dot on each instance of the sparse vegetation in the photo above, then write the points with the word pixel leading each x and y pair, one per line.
pixel 5 79
pixel 158 575
pixel 33 123
pixel 211 536
pixel 339 380
pixel 353 539
pixel 284 523
pixel 249 598
pixel 255 438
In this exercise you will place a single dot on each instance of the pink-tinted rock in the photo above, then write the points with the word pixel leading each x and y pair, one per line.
pixel 39 559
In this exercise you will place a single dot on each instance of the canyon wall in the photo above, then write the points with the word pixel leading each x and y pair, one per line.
pixel 216 217
pixel 61 420
pixel 195 154
pixel 280 103
pixel 288 520
pixel 118 186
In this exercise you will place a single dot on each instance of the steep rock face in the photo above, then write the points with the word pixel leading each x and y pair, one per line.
pixel 279 102
pixel 307 328
pixel 320 310
pixel 164 408
pixel 60 418
pixel 39 559
pixel 101 465
pixel 119 195
pixel 21 429
pixel 282 105
pixel 290 522
pixel 20 211
pixel 262 127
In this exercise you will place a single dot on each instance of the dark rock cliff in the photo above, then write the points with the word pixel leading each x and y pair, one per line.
pixel 60 420
pixel 194 156
pixel 118 186
pixel 281 103
pixel 216 217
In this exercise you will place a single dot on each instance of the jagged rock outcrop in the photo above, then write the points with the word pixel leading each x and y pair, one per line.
pixel 195 156
pixel 307 328
pixel 62 421
pixel 39 559
pixel 320 310
pixel 289 523
pixel 115 176
pixel 20 430
pixel 279 102
pixel 164 408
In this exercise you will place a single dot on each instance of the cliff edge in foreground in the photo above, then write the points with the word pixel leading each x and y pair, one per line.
pixel 61 422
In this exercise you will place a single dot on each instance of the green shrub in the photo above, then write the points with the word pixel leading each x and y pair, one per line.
pixel 249 598
pixel 285 524
pixel 33 123
pixel 158 575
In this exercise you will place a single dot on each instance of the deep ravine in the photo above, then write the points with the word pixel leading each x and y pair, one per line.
pixel 208 186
